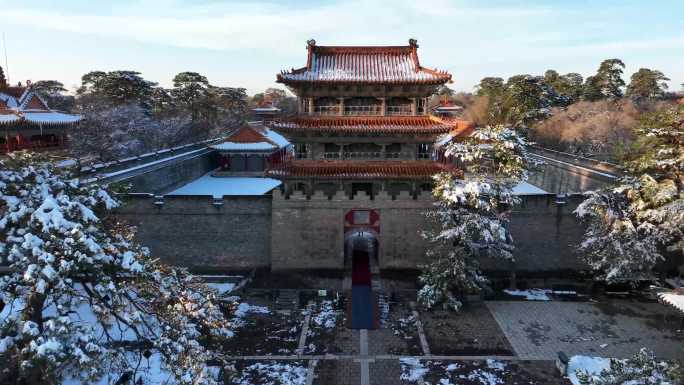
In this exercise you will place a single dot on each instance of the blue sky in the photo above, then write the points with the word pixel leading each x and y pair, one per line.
pixel 244 44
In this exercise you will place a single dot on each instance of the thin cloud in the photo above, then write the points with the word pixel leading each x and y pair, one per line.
pixel 258 39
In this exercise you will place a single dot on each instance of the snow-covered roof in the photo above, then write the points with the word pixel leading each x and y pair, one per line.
pixel 266 109
pixel 50 117
pixel 524 188
pixel 220 186
pixel 674 299
pixel 364 64
pixel 23 104
pixel 230 146
pixel 8 118
pixel 248 138
pixel 276 138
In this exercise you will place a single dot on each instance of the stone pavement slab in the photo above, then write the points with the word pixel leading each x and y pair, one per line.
pixel 619 328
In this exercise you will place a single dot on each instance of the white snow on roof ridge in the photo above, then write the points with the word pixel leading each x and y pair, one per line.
pixel 673 299
pixel 220 186
pixel 227 146
pixel 50 117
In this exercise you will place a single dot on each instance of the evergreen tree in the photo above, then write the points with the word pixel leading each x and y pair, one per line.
pixel 647 84
pixel 52 92
pixel 491 87
pixel 119 87
pixel 591 91
pixel 527 99
pixel 472 214
pixel 572 86
pixel 3 79
pixel 568 87
pixel 82 301
pixel 631 227
pixel 641 369
pixel 607 83
pixel 191 90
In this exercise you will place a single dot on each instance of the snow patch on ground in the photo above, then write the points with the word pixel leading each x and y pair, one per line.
pixel 412 369
pixel 591 365
pixel 222 288
pixel 531 294
pixel 273 374
pixel 325 316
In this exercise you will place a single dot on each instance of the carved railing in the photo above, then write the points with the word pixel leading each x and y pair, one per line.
pixel 399 110
pixel 347 155
pixel 326 110
pixel 363 110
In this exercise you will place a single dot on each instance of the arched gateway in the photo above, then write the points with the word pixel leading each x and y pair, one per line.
pixel 362 227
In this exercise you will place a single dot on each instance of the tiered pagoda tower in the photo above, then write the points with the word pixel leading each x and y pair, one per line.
pixel 359 179
pixel 363 122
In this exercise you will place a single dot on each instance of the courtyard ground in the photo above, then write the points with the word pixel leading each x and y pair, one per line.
pixel 492 342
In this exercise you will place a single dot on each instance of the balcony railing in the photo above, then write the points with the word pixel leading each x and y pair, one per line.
pixel 370 155
pixel 399 110
pixel 326 110
pixel 363 110
pixel 372 110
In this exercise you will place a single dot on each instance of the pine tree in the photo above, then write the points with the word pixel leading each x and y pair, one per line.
pixel 568 87
pixel 472 214
pixel 82 300
pixel 631 227
pixel 119 87
pixel 3 79
pixel 647 84
pixel 527 99
pixel 607 83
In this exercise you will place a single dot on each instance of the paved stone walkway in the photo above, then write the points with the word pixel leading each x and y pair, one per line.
pixel 538 330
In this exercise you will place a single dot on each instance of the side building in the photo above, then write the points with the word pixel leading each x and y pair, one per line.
pixel 28 123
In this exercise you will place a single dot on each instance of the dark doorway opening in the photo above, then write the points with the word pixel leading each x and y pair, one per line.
pixel 361 247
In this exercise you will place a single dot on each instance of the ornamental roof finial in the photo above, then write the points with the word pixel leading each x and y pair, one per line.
pixel 413 43
pixel 311 43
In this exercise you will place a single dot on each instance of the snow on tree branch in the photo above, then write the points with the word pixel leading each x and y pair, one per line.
pixel 83 301
pixel 472 213
pixel 632 227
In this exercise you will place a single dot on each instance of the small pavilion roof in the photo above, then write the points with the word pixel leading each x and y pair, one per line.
pixel 426 125
pixel 248 138
pixel 363 64
pixel 21 104
pixel 340 169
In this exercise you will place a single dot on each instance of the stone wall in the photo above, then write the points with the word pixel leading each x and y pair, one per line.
pixel 562 173
pixel 203 233
pixel 170 176
pixel 545 235
pixel 309 233
pixel 298 233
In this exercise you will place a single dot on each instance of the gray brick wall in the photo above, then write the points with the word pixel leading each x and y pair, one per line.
pixel 172 176
pixel 191 231
pixel 299 233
